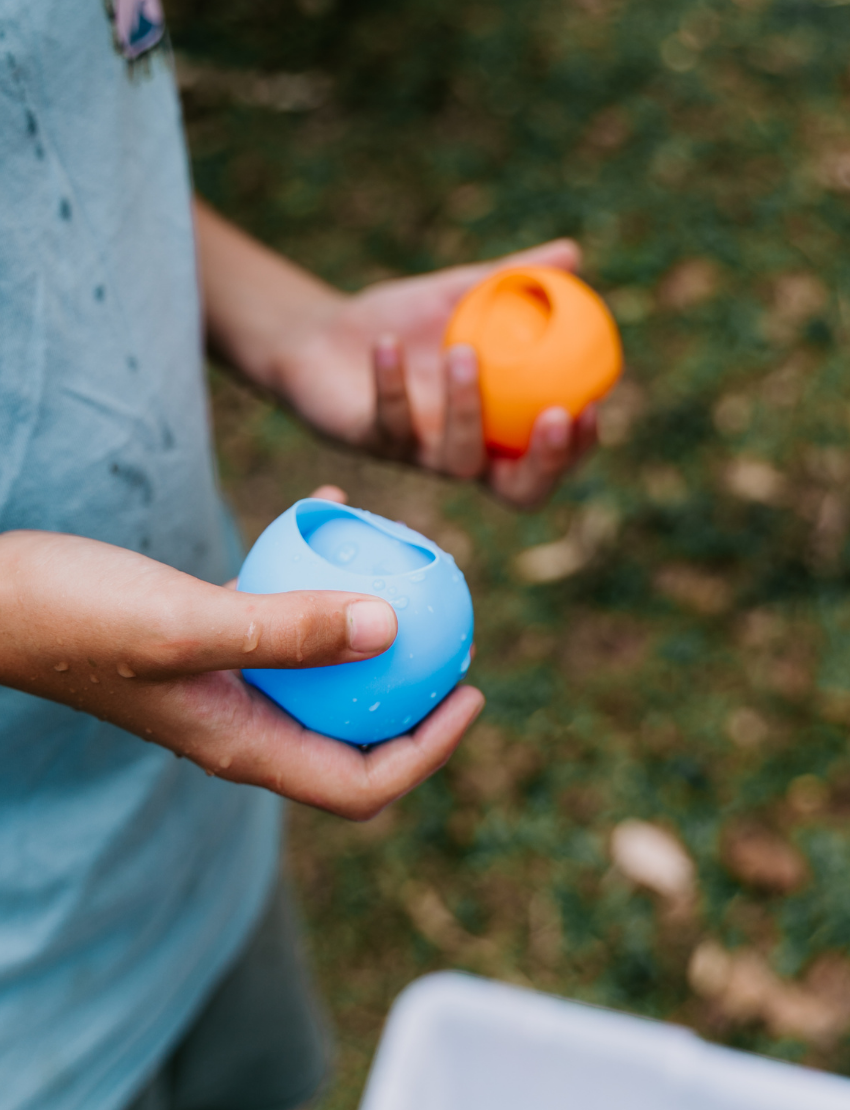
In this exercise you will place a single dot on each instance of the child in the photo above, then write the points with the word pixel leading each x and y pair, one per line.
pixel 145 951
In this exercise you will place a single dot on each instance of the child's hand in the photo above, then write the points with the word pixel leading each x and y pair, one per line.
pixel 368 368
pixel 418 404
pixel 157 652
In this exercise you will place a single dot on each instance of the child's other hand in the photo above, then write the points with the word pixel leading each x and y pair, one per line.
pixel 369 369
pixel 157 652
pixel 415 402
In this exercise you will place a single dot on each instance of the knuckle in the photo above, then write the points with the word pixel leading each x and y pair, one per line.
pixel 311 632
pixel 167 649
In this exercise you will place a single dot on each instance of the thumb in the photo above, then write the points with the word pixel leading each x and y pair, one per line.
pixel 562 254
pixel 217 629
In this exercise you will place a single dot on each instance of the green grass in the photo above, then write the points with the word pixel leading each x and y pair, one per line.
pixel 659 134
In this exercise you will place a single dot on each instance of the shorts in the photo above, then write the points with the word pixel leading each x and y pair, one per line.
pixel 258 1043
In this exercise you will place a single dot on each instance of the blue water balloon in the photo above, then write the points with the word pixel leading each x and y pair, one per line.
pixel 320 545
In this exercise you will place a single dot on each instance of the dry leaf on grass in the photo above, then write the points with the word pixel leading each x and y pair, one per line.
pixel 830 465
pixel 652 857
pixel 435 921
pixel 829 533
pixel 789 674
pixel 746 727
pixel 834 170
pixel 755 480
pixel 689 283
pixel 552 562
pixel 593 529
pixel 797 298
pixel 433 918
pixel 761 628
pixel 732 414
pixel 763 859
pixel 744 988
pixel 693 588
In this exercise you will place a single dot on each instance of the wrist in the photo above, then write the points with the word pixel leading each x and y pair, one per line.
pixel 292 336
pixel 260 309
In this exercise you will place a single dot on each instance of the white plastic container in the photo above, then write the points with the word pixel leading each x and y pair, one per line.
pixel 457 1042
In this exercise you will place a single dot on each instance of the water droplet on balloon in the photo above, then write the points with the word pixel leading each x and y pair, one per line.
pixel 407 720
pixel 434 694
pixel 400 603
pixel 418 577
pixel 392 591
pixel 372 708
pixel 345 553
pixel 467 659
pixel 378 584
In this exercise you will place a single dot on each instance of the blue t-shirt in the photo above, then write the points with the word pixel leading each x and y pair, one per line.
pixel 128 879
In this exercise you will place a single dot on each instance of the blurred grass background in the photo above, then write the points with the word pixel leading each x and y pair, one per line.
pixel 680 654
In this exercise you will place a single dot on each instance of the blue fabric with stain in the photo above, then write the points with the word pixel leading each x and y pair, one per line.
pixel 129 881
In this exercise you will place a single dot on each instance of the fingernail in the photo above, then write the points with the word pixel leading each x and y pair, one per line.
pixel 371 626
pixel 556 430
pixel 463 365
pixel 386 352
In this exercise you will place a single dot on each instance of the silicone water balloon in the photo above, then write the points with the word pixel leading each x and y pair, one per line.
pixel 543 338
pixel 320 545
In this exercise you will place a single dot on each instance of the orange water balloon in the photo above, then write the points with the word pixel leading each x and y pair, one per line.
pixel 542 338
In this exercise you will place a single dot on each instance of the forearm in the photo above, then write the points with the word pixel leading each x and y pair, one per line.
pixel 80 619
pixel 259 308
